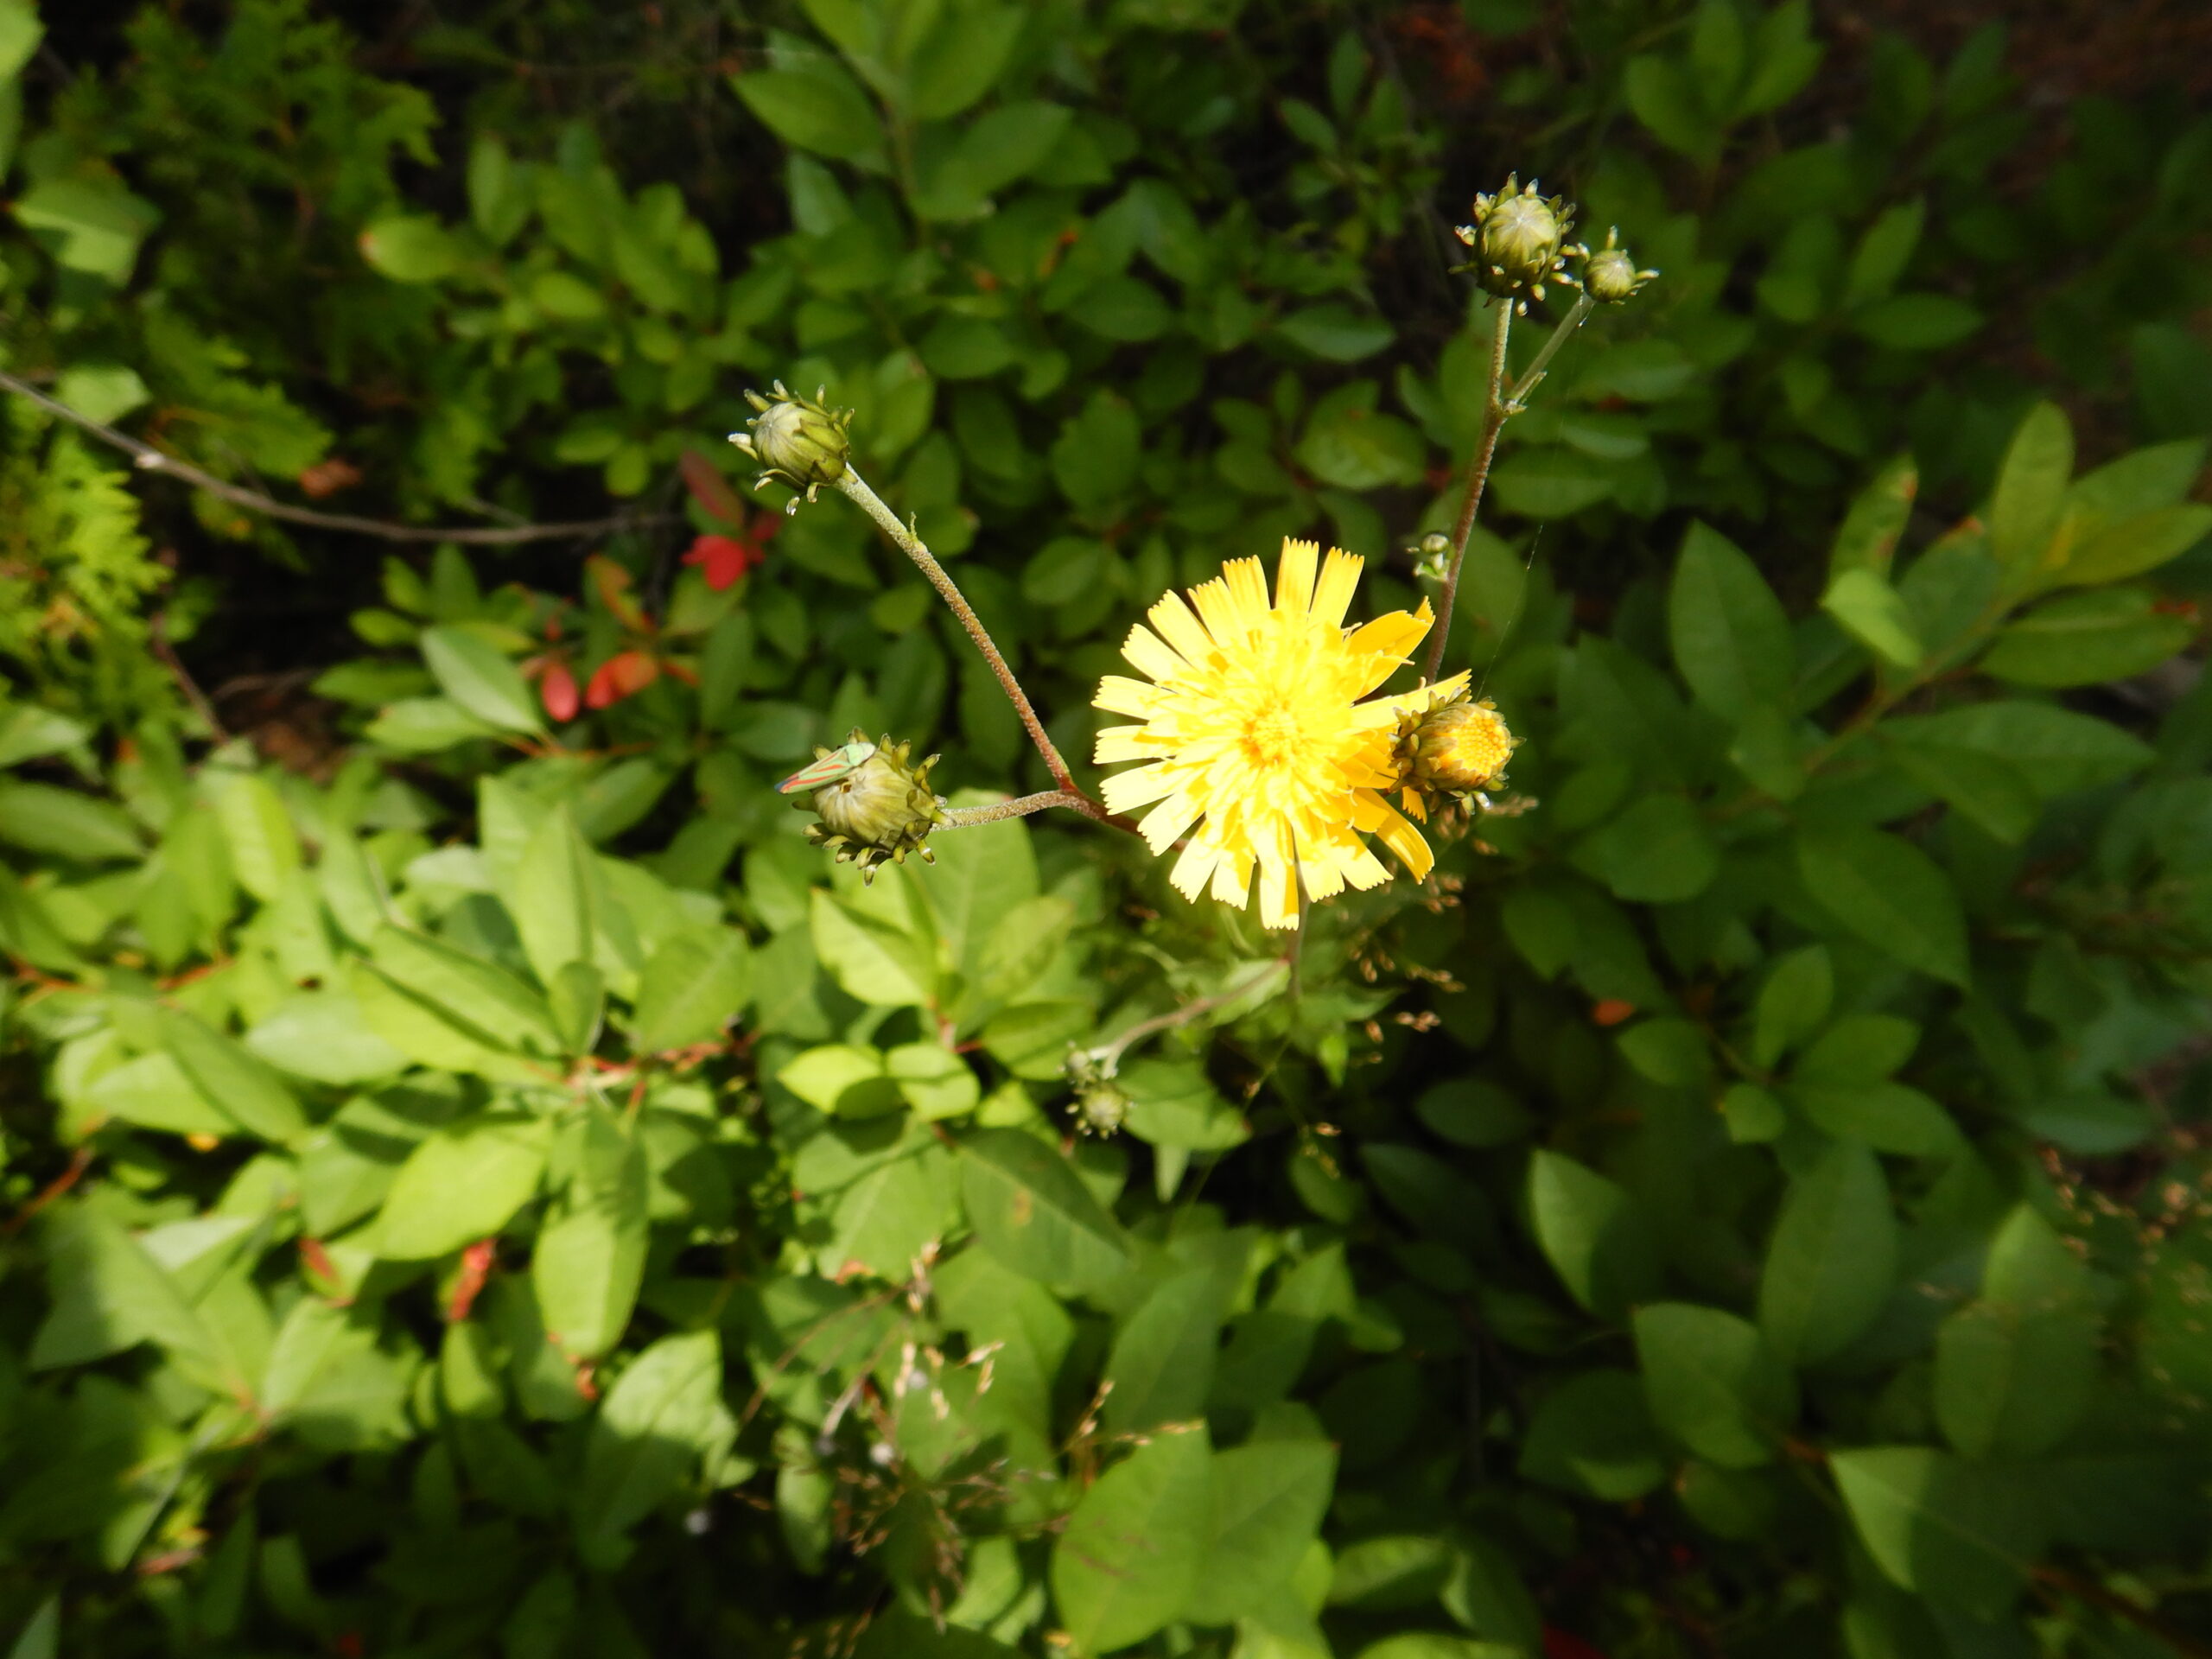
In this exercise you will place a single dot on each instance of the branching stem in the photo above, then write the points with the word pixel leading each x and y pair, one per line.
pixel 911 544
pixel 147 458
pixel 1499 406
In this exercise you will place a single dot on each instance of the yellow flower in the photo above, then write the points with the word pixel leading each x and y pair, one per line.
pixel 1261 751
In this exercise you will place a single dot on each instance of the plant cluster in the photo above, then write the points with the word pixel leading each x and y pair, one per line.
pixel 1172 1151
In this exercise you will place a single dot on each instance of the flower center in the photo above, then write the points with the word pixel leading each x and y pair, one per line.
pixel 1272 739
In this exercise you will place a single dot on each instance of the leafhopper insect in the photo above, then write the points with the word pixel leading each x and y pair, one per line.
pixel 837 763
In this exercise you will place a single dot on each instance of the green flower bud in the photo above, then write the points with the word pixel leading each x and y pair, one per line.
pixel 878 811
pixel 1519 238
pixel 1610 275
pixel 797 440
pixel 1101 1108
pixel 1455 748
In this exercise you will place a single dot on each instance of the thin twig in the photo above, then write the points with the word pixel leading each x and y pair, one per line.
pixel 158 638
pixel 911 545
pixel 1107 1057
pixel 1494 413
pixel 147 458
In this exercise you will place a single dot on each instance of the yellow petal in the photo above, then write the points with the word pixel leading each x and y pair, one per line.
pixel 1333 595
pixel 1151 655
pixel 1294 576
pixel 1118 743
pixel 1179 628
pixel 1192 869
pixel 1120 695
pixel 1215 610
pixel 1278 894
pixel 1400 836
pixel 1248 592
pixel 1232 877
pixel 1125 792
pixel 1391 636
pixel 1171 818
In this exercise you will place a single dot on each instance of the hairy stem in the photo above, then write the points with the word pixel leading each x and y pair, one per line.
pixel 1577 314
pixel 911 544
pixel 147 458
pixel 1107 1057
pixel 1494 413
pixel 966 817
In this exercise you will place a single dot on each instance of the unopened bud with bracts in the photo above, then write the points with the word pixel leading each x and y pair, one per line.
pixel 1610 275
pixel 1456 748
pixel 1519 239
pixel 873 806
pixel 1101 1108
pixel 797 440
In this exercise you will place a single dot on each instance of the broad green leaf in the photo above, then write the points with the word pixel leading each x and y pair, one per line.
pixel 1032 1211
pixel 1268 1500
pixel 1731 638
pixel 1591 1233
pixel 264 846
pixel 885 1221
pixel 91 223
pixel 462 1183
pixel 557 896
pixel 981 876
pixel 1431 1644
pixel 1133 1549
pixel 662 1417
pixel 692 988
pixel 814 104
pixel 482 1002
pixel 962 57
pixel 1592 1436
pixel 1987 788
pixel 481 679
pixel 2057 750
pixel 2030 492
pixel 1656 852
pixel 153 1092
pixel 932 1079
pixel 1953 1533
pixel 589 1259
pixel 1874 614
pixel 1174 1104
pixel 411 248
pixel 41 1638
pixel 1890 894
pixel 323 1036
pixel 2133 546
pixel 843 1079
pixel 1887 1117
pixel 2108 633
pixel 1390 1572
pixel 1793 1002
pixel 872 957
pixel 234 1081
pixel 1833 1258
pixel 2015 1369
pixel 64 823
pixel 1161 1363
pixel 110 1295
pixel 1712 1384
pixel 20 33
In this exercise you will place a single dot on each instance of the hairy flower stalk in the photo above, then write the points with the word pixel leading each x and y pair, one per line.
pixel 1255 742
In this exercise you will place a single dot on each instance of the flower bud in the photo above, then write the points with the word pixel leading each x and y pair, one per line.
pixel 879 810
pixel 797 440
pixel 1610 275
pixel 1518 238
pixel 1455 748
pixel 1101 1108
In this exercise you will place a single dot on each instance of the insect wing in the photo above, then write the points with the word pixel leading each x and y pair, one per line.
pixel 828 770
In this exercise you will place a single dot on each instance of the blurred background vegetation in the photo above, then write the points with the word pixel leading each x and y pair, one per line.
pixel 475 1184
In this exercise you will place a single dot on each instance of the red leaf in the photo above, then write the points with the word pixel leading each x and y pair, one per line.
pixel 612 582
pixel 558 688
pixel 711 490
pixel 724 559
pixel 622 674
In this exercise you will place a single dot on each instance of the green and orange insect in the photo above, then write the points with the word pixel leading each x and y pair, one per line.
pixel 839 762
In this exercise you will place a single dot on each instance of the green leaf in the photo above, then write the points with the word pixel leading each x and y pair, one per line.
pixel 556 896
pixel 662 1417
pixel 1268 1500
pixel 462 1183
pixel 887 1220
pixel 1390 1572
pixel 1348 444
pixel 692 987
pixel 1793 1003
pixel 1133 1549
pixel 2031 493
pixel 479 1000
pixel 1550 483
pixel 2057 750
pixel 1890 894
pixel 1887 1117
pixel 962 57
pixel 1833 1258
pixel 1336 334
pixel 1174 1104
pixel 65 824
pixel 1033 1213
pixel 1592 1436
pixel 589 1259
pixel 234 1081
pixel 109 1295
pixel 41 1638
pixel 411 248
pixel 265 848
pixel 480 677
pixel 1731 638
pixel 843 1079
pixel 2133 546
pixel 1879 514
pixel 1992 790
pixel 1875 614
pixel 1953 1533
pixel 153 1092
pixel 1713 1384
pixel 2108 634
pixel 92 225
pixel 1917 322
pixel 873 958
pixel 813 103
pixel 325 1037
pixel 20 33
pixel 2015 1369
pixel 1656 852
pixel 1591 1234
pixel 1161 1363
pixel 1662 96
